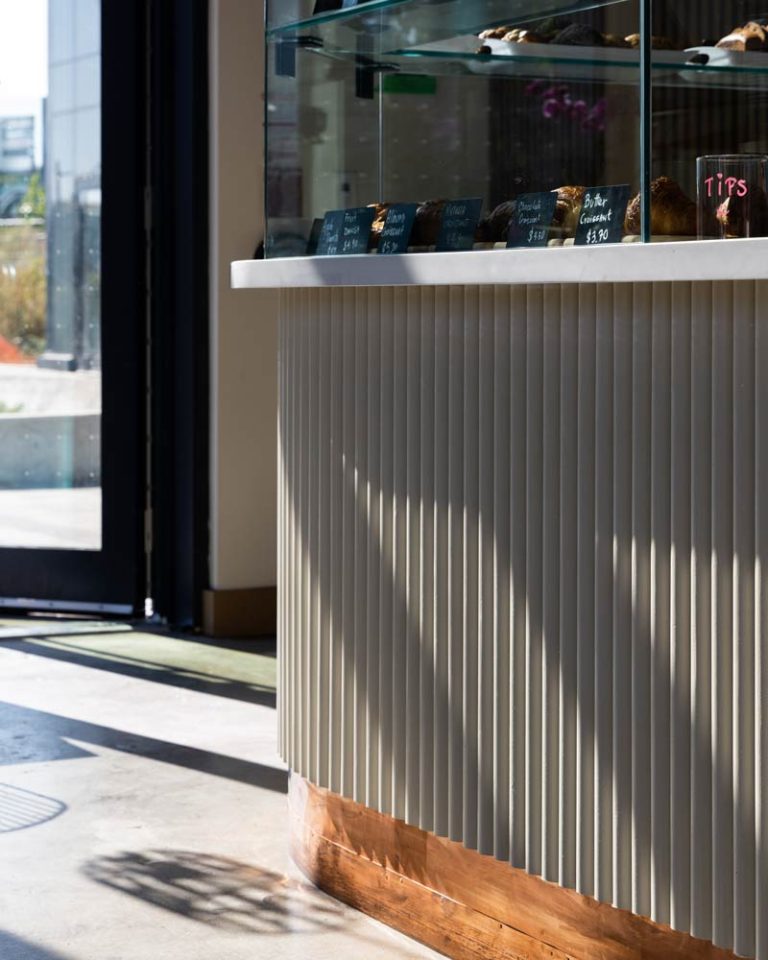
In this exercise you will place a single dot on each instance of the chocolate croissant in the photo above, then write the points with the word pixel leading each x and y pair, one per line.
pixel 673 213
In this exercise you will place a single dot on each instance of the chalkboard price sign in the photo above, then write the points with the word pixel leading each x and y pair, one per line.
pixel 602 216
pixel 459 224
pixel 345 232
pixel 314 236
pixel 398 225
pixel 532 220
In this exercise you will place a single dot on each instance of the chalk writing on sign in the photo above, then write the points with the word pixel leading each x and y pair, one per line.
pixel 345 232
pixel 532 220
pixel 396 233
pixel 459 224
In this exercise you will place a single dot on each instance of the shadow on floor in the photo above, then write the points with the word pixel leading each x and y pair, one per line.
pixel 21 809
pixel 13 948
pixel 34 736
pixel 219 892
pixel 184 677
pixel 265 646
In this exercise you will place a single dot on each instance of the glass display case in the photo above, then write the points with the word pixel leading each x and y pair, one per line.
pixel 436 125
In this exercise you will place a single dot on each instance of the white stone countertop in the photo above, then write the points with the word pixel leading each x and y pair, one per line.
pixel 619 263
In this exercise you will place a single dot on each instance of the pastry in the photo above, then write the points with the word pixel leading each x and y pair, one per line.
pixel 380 216
pixel 673 213
pixel 568 208
pixel 494 33
pixel 543 34
pixel 752 36
pixel 580 36
pixel 494 227
pixel 426 228
pixel 523 36
pixel 657 43
pixel 612 40
pixel 380 210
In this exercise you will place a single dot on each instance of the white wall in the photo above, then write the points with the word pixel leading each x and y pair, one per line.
pixel 243 323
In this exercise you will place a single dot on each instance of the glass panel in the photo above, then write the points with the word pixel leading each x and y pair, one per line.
pixel 50 229
pixel 491 117
pixel 713 107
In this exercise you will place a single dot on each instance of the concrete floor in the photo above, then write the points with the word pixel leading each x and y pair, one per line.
pixel 143 811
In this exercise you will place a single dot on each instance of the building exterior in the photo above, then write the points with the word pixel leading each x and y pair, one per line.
pixel 73 186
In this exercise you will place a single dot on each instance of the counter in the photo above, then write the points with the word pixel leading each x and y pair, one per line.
pixel 522 614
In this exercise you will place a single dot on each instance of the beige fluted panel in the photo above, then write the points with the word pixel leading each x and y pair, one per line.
pixel 523 547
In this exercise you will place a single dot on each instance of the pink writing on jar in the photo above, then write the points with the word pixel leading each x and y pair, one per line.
pixel 722 186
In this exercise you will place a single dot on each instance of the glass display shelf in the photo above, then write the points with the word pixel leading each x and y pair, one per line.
pixel 455 55
pixel 606 65
pixel 383 26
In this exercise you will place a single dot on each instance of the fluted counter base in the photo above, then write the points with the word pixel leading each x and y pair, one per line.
pixel 457 901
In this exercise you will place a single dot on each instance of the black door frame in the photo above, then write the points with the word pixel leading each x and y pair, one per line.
pixel 180 309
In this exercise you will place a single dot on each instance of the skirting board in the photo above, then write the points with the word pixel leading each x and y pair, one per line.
pixel 240 613
pixel 459 902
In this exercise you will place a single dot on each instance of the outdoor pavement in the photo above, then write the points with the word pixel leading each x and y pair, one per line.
pixel 51 519
pixel 142 806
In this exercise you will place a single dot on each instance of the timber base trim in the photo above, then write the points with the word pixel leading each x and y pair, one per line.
pixel 240 613
pixel 457 901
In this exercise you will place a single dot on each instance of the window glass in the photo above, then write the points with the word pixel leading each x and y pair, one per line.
pixel 50 228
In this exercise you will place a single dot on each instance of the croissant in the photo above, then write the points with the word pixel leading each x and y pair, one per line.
pixel 673 213
pixel 568 208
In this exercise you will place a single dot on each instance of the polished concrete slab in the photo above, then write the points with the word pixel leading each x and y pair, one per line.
pixel 143 809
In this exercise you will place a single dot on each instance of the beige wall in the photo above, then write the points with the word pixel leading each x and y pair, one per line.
pixel 243 323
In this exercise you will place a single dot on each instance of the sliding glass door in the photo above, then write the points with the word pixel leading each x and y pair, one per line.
pixel 72 159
